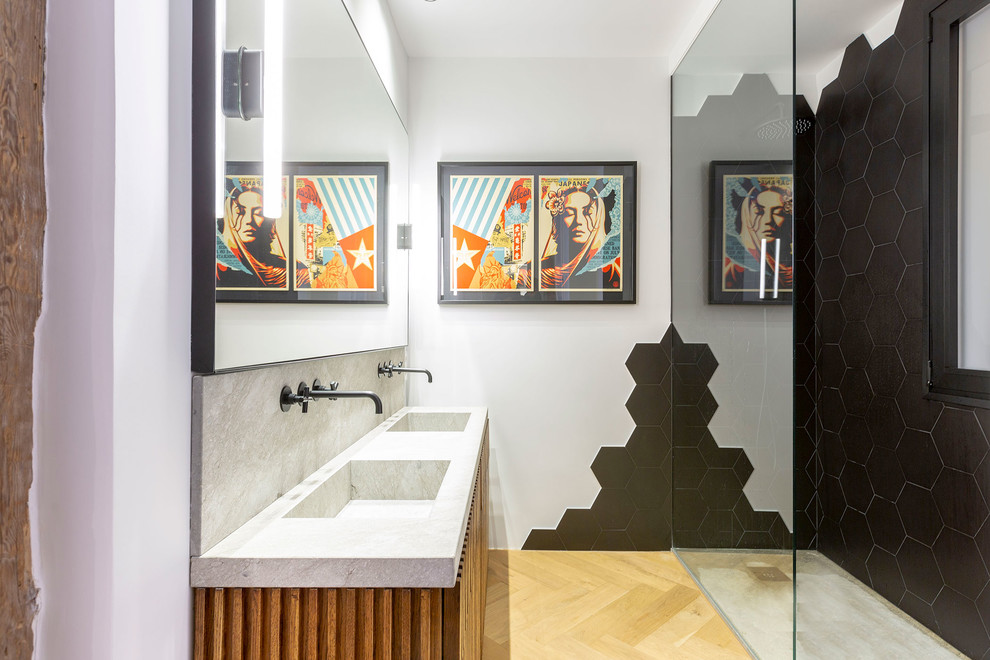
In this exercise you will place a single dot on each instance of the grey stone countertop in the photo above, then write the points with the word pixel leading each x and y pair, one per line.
pixel 389 511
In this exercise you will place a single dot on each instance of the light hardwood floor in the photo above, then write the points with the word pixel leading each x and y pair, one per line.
pixel 599 605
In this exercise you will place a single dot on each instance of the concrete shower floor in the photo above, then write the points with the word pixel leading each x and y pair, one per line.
pixel 838 616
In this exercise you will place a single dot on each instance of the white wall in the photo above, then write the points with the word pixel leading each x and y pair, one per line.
pixel 111 502
pixel 152 263
pixel 553 377
pixel 72 495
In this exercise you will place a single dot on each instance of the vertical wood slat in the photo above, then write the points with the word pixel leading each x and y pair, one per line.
pixel 272 633
pixel 253 622
pixel 348 625
pixel 402 624
pixel 235 624
pixel 330 623
pixel 383 624
pixel 291 618
pixel 310 624
pixel 354 624
pixel 216 597
pixel 199 624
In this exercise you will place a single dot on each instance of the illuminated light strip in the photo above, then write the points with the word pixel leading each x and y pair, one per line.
pixel 272 138
pixel 220 125
pixel 776 268
pixel 763 261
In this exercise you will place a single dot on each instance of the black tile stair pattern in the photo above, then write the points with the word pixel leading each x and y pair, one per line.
pixel 632 511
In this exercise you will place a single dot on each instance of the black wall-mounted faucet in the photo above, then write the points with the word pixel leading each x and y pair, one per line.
pixel 304 394
pixel 389 369
pixel 332 393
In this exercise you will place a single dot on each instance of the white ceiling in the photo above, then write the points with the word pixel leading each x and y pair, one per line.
pixel 631 28
pixel 540 28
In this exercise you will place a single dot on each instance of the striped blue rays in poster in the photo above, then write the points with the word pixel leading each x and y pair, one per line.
pixel 477 201
pixel 350 201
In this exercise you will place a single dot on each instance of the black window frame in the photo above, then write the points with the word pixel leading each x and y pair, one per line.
pixel 946 380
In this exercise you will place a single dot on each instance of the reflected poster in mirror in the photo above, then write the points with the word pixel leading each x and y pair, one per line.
pixel 751 249
pixel 328 246
pixel 537 232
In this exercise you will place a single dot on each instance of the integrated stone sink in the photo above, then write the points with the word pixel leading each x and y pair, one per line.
pixel 430 422
pixel 390 510
pixel 375 489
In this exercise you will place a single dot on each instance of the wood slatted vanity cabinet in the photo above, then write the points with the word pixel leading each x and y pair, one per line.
pixel 289 623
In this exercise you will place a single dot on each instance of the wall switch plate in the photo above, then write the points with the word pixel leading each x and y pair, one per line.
pixel 404 236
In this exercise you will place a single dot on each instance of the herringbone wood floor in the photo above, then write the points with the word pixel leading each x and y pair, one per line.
pixel 579 605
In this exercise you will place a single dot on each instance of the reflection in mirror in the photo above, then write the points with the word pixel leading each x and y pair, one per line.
pixel 336 111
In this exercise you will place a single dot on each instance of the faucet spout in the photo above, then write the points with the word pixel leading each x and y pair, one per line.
pixel 332 393
pixel 389 369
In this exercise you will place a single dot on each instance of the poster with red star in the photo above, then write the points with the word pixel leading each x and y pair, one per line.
pixel 334 231
pixel 491 221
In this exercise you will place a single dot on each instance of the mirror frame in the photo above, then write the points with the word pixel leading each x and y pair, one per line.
pixel 203 153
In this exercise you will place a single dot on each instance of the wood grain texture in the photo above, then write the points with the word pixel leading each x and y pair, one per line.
pixel 354 624
pixel 22 227
pixel 556 605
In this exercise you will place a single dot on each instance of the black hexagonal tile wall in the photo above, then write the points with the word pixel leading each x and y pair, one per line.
pixel 923 538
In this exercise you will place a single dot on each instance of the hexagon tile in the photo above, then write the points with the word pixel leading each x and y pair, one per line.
pixel 905 481
pixel 632 510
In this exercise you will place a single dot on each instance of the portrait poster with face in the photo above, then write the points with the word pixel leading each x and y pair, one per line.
pixel 252 250
pixel 537 232
pixel 751 258
pixel 327 246
pixel 334 222
pixel 580 233
pixel 492 239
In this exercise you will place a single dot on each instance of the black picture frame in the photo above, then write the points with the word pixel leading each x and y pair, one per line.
pixel 498 233
pixel 733 278
pixel 303 261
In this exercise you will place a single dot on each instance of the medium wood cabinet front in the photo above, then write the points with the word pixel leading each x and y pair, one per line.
pixel 359 624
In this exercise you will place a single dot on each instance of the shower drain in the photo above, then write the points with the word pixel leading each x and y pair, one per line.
pixel 768 574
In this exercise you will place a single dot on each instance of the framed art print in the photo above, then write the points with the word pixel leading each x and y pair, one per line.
pixel 537 232
pixel 328 246
pixel 751 247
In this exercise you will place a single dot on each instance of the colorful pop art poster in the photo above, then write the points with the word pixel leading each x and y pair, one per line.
pixel 581 233
pixel 334 220
pixel 752 259
pixel 492 232
pixel 251 250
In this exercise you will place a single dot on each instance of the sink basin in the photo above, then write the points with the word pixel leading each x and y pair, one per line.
pixel 375 489
pixel 431 422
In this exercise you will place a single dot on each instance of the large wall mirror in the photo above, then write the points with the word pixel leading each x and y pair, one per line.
pixel 336 113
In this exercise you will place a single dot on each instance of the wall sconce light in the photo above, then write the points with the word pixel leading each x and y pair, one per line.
pixel 242 89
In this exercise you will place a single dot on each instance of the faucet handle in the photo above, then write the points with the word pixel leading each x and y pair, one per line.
pixel 302 397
